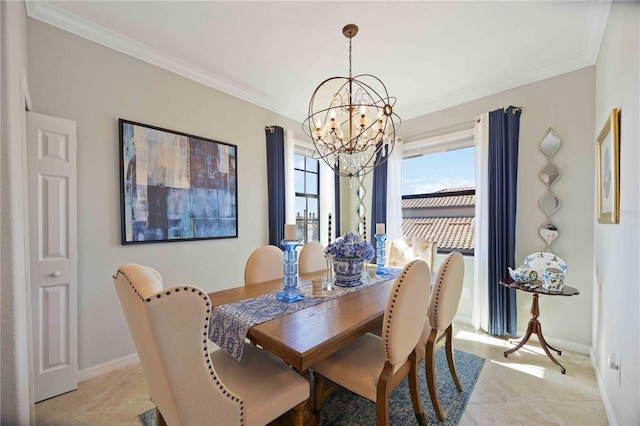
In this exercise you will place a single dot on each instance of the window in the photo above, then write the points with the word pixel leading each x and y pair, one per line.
pixel 307 187
pixel 438 193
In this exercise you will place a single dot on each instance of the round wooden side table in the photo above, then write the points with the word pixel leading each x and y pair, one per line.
pixel 534 326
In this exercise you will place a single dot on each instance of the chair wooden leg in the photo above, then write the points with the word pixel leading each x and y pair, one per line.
pixel 321 390
pixel 430 373
pixel 160 421
pixel 383 390
pixel 317 395
pixel 450 360
pixel 415 391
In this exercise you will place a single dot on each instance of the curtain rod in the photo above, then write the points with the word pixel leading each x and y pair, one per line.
pixel 453 127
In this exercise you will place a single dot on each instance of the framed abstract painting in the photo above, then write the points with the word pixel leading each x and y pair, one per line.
pixel 176 186
pixel 608 170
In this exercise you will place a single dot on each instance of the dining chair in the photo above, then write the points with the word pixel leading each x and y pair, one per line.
pixel 373 366
pixel 312 258
pixel 438 327
pixel 188 384
pixel 266 263
pixel 403 250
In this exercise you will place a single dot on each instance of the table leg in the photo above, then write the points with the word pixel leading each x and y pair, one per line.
pixel 545 346
pixel 309 417
pixel 534 327
pixel 523 340
pixel 548 345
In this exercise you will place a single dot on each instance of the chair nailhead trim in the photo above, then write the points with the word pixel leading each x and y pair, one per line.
pixel 205 298
pixel 438 290
pixel 400 281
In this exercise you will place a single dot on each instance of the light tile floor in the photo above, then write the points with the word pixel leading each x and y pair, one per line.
pixel 524 389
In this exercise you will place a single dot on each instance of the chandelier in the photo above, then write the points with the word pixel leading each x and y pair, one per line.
pixel 351 121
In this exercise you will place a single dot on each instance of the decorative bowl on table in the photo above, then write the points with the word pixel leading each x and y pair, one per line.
pixel 553 279
pixel 349 254
pixel 543 261
pixel 523 274
pixel 348 271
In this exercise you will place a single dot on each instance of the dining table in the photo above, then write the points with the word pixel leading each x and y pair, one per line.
pixel 304 337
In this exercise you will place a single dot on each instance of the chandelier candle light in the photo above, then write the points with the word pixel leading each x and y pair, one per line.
pixel 355 131
pixel 290 292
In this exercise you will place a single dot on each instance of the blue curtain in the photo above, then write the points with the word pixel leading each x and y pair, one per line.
pixel 378 199
pixel 504 130
pixel 275 183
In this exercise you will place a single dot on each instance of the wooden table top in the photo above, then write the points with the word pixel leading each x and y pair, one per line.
pixel 305 337
pixel 566 290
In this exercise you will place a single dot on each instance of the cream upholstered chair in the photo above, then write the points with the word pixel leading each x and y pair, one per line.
pixel 372 366
pixel 312 258
pixel 189 385
pixel 438 327
pixel 266 263
pixel 403 250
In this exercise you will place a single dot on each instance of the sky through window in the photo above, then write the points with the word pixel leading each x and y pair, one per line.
pixel 431 173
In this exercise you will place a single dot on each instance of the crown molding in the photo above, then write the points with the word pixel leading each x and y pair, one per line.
pixel 596 24
pixel 47 12
pixel 463 96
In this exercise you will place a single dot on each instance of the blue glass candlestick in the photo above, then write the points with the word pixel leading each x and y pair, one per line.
pixel 290 292
pixel 380 239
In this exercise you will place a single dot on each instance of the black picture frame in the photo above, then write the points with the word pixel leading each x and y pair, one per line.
pixel 176 186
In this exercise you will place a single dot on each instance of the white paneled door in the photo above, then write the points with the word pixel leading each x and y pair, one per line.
pixel 51 165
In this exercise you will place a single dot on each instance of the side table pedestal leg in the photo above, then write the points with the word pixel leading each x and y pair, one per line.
pixel 523 340
pixel 534 327
pixel 545 346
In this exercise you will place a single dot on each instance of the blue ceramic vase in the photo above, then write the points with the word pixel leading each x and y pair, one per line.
pixel 348 271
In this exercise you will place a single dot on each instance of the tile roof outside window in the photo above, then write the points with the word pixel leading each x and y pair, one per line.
pixel 446 216
pixel 456 200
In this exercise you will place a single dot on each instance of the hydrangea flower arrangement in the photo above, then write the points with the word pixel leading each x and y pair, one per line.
pixel 350 246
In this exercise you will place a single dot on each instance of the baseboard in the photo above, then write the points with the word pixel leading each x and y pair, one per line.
pixel 108 367
pixel 560 344
pixel 570 346
pixel 608 408
pixel 462 320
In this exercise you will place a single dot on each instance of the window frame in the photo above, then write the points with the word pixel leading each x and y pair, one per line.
pixel 300 222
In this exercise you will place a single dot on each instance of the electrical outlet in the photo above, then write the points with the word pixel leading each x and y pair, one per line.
pixel 614 364
pixel 613 361
pixel 466 292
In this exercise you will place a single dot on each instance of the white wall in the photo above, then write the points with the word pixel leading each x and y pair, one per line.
pixel 616 291
pixel 15 408
pixel 79 80
pixel 566 104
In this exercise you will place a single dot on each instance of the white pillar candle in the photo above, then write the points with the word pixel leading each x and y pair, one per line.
pixel 380 228
pixel 290 232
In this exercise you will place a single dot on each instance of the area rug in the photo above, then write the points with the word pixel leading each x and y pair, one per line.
pixel 344 408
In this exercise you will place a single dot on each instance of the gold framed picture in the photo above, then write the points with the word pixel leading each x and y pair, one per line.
pixel 608 145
